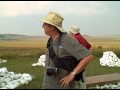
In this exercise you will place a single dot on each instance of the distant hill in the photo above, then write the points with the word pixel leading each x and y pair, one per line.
pixel 10 37
pixel 117 37
pixel 102 38
pixel 16 37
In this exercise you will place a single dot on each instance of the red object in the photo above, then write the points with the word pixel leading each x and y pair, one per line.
pixel 82 40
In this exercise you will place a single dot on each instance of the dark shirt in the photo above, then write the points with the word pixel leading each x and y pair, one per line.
pixel 68 47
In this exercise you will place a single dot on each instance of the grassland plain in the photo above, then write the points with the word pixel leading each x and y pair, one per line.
pixel 21 54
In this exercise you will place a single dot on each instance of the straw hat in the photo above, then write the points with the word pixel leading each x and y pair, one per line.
pixel 73 29
pixel 54 19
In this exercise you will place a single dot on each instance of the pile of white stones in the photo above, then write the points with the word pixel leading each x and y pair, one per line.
pixel 2 61
pixel 41 61
pixel 11 80
pixel 107 86
pixel 109 59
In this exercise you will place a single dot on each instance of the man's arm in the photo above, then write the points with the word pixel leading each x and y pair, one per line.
pixel 82 64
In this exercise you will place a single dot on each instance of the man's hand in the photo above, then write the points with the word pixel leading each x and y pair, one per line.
pixel 66 80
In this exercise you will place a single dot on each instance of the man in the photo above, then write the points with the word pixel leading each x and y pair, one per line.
pixel 74 31
pixel 63 45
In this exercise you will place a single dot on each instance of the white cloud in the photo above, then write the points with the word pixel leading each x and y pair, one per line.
pixel 86 8
pixel 14 8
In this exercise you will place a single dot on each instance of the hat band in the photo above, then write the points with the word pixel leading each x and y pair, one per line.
pixel 57 22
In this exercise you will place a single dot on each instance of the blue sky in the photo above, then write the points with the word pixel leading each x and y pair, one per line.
pixel 95 18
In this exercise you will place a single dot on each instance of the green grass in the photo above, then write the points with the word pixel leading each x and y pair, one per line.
pixel 24 65
pixel 21 52
pixel 20 60
pixel 98 51
pixel 94 68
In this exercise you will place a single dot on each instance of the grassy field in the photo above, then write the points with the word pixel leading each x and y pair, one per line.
pixel 23 65
pixel 22 54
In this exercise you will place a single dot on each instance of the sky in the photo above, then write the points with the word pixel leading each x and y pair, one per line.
pixel 94 18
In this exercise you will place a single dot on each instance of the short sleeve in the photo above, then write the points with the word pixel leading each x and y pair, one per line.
pixel 75 49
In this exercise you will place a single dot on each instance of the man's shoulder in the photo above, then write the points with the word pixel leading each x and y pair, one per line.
pixel 66 37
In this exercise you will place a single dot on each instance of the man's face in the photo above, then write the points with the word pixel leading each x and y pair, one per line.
pixel 47 28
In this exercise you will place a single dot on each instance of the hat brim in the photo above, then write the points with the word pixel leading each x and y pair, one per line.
pixel 59 28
